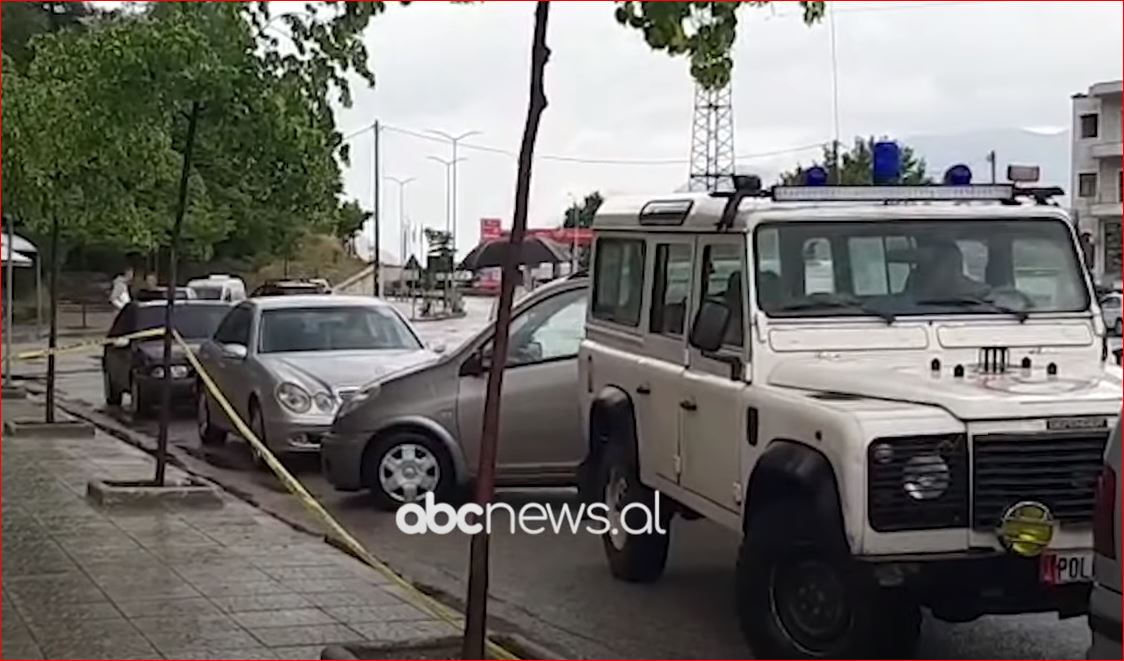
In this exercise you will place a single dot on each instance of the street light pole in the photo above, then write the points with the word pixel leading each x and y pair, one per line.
pixel 376 243
pixel 455 140
pixel 402 183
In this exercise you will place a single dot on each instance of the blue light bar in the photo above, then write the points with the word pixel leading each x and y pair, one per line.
pixel 815 176
pixel 958 175
pixel 976 192
pixel 886 162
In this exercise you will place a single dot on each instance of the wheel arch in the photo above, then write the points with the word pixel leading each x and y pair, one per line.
pixel 792 470
pixel 611 411
pixel 418 425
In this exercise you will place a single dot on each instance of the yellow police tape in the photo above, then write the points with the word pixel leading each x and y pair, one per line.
pixel 89 344
pixel 435 608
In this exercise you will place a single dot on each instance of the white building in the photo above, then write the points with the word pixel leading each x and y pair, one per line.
pixel 1097 187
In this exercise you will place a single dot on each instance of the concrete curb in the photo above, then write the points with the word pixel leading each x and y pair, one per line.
pixel 13 392
pixel 188 493
pixel 57 429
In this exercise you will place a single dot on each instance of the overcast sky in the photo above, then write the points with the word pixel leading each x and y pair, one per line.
pixel 903 69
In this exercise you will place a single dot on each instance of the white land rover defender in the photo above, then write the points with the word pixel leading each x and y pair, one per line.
pixel 899 396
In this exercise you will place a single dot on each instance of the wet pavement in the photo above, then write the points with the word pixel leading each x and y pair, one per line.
pixel 83 582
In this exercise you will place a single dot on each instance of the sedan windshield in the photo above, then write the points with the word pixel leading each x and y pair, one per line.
pixel 904 267
pixel 334 329
pixel 194 322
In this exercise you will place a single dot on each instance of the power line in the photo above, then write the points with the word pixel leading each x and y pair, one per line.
pixel 580 159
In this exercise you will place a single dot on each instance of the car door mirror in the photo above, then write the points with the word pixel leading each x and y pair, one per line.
pixel 474 365
pixel 234 351
pixel 709 328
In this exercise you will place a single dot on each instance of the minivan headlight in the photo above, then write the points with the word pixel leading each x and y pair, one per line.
pixel 294 397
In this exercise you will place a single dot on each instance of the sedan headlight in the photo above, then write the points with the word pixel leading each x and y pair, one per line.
pixel 324 401
pixel 178 372
pixel 294 397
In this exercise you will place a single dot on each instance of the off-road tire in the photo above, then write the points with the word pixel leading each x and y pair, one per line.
pixel 878 623
pixel 635 558
pixel 446 489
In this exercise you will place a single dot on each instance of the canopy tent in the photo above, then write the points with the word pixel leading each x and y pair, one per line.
pixel 20 244
pixel 18 260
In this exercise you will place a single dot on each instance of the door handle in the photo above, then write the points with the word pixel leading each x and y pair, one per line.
pixel 643 389
pixel 688 405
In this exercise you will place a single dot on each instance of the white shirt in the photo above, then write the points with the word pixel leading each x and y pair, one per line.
pixel 119 297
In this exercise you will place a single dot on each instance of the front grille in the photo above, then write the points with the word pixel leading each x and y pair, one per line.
pixel 1057 470
pixel 891 509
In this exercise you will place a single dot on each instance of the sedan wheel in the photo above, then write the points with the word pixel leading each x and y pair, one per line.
pixel 141 405
pixel 112 395
pixel 406 467
pixel 208 433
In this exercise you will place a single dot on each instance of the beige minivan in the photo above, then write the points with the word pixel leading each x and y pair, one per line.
pixel 418 430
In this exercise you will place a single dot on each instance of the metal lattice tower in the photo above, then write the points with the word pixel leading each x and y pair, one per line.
pixel 712 140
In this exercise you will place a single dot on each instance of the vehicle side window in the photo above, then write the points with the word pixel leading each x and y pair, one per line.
pixel 618 283
pixel 549 330
pixel 670 287
pixel 723 282
pixel 235 328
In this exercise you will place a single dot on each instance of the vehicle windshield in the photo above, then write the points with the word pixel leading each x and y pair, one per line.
pixel 905 267
pixel 207 293
pixel 334 329
pixel 194 322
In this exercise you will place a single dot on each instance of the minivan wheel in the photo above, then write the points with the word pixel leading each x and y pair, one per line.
pixel 142 406
pixel 799 595
pixel 112 395
pixel 209 434
pixel 639 556
pixel 405 466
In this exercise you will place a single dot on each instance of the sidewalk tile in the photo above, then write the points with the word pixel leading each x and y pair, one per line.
pixel 402 631
pixel 241 589
pixel 165 607
pixel 317 573
pixel 195 638
pixel 332 585
pixel 282 618
pixel 349 598
pixel 19 648
pixel 260 602
pixel 316 634
pixel 55 589
pixel 393 613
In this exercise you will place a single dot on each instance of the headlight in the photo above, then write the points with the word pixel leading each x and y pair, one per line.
pixel 925 477
pixel 324 401
pixel 294 398
pixel 178 372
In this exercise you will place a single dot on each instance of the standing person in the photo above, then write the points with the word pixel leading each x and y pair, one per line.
pixel 119 296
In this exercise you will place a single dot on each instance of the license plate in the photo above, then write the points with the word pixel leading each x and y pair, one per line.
pixel 1066 567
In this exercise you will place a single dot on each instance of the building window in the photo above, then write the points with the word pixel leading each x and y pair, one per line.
pixel 1089 125
pixel 1087 184
pixel 618 283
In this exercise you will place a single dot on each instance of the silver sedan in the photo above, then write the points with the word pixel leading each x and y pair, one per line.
pixel 287 363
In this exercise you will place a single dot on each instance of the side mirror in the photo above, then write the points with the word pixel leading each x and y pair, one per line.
pixel 234 351
pixel 474 365
pixel 709 328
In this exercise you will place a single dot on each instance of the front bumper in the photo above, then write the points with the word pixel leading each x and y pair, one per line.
pixel 963 587
pixel 182 389
pixel 341 460
pixel 1105 623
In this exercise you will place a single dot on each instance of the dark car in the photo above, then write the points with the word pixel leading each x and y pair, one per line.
pixel 158 294
pixel 292 288
pixel 136 366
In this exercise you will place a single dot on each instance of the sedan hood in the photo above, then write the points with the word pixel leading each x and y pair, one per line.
pixel 1091 390
pixel 335 370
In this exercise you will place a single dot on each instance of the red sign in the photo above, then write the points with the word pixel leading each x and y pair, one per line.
pixel 490 229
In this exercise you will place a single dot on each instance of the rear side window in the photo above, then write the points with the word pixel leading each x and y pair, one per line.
pixel 670 287
pixel 618 281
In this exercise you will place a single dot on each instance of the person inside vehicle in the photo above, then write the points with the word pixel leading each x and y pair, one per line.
pixel 733 302
pixel 940 274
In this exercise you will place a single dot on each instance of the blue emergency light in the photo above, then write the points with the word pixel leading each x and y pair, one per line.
pixel 815 176
pixel 958 175
pixel 886 159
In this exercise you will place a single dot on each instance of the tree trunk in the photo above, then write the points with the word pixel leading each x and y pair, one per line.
pixel 53 333
pixel 166 390
pixel 477 602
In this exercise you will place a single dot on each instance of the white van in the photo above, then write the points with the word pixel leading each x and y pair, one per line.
pixel 219 288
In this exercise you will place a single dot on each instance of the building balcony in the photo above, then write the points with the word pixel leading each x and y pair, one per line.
pixel 1107 149
pixel 1107 210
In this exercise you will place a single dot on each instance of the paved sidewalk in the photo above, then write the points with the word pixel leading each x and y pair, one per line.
pixel 230 583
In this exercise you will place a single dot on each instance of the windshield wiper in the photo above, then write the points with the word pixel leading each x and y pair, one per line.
pixel 967 299
pixel 840 302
